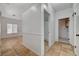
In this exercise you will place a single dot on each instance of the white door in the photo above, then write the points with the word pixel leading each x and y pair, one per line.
pixel 76 28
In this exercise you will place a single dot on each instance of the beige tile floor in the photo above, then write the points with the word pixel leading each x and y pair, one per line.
pixel 60 49
pixel 14 47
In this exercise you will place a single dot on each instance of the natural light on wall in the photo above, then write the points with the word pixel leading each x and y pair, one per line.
pixel 11 28
pixel 14 28
pixel 33 8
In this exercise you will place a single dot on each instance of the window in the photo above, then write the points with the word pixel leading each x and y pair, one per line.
pixel 11 28
pixel 14 28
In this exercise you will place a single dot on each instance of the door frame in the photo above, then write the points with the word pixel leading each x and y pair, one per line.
pixel 58 26
pixel 48 25
pixel 71 29
pixel 74 17
pixel 45 7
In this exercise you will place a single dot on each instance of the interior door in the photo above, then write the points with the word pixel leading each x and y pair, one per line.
pixel 76 20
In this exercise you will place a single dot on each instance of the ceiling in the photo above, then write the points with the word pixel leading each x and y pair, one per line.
pixel 61 6
pixel 19 7
pixel 14 10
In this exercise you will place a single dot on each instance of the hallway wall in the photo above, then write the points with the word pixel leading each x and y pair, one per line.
pixel 31 28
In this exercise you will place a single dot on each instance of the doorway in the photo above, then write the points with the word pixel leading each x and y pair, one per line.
pixel 46 29
pixel 64 30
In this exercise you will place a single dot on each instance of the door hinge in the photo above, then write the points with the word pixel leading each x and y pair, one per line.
pixel 68 39
pixel 74 14
pixel 75 46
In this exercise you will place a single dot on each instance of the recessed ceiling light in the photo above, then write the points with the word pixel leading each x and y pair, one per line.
pixel 33 8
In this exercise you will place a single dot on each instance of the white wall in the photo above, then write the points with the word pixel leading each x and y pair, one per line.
pixel 2 10
pixel 76 28
pixel 0 28
pixel 32 33
pixel 63 14
pixel 4 21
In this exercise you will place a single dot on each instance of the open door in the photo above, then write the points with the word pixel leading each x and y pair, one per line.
pixel 76 28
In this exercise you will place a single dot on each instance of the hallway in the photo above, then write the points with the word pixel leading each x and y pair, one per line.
pixel 60 49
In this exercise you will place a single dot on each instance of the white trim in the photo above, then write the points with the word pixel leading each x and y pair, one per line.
pixel 68 29
pixel 42 30
pixel 31 33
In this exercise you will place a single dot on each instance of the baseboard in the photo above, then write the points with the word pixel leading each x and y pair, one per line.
pixel 51 45
pixel 10 37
